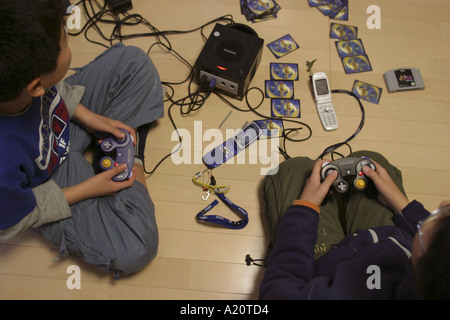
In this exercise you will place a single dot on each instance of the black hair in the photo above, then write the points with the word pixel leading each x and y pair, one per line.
pixel 30 35
pixel 433 268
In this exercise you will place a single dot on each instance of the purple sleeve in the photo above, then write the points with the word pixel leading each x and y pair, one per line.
pixel 410 217
pixel 291 262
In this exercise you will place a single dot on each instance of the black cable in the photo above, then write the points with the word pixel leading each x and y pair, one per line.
pixel 117 30
pixel 101 14
pixel 333 147
pixel 257 262
pixel 194 100
pixel 92 20
pixel 286 132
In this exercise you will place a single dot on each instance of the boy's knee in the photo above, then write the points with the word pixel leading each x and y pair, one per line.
pixel 134 259
pixel 297 164
pixel 136 55
pixel 288 168
pixel 132 52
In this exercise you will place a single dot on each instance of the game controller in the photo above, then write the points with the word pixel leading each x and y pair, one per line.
pixel 118 151
pixel 350 172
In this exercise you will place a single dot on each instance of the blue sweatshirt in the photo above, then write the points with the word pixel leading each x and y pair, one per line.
pixel 347 271
pixel 33 145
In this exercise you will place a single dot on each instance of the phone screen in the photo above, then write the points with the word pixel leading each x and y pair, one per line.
pixel 322 87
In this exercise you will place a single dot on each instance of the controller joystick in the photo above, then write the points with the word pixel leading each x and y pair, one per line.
pixel 350 173
pixel 117 152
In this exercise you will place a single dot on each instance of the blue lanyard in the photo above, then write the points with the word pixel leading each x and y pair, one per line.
pixel 201 216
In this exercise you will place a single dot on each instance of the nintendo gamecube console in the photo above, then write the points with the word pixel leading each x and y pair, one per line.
pixel 230 56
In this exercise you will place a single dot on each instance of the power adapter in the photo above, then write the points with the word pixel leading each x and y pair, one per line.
pixel 119 6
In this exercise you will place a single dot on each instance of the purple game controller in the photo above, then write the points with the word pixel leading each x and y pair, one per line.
pixel 118 151
pixel 350 171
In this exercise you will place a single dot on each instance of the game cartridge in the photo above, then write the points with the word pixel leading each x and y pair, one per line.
pixel 403 80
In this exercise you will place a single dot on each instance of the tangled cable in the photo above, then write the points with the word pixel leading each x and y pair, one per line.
pixel 98 14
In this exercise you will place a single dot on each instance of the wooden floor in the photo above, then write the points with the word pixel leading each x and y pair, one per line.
pixel 195 261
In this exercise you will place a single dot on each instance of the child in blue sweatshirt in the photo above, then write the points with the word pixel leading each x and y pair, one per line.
pixel 46 125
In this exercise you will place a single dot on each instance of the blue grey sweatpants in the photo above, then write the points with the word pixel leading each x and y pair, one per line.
pixel 116 233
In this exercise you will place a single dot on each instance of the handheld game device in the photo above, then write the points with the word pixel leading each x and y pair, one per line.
pixel 232 146
pixel 350 172
pixel 118 151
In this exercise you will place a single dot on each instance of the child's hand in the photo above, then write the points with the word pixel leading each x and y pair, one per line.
pixel 96 123
pixel 103 124
pixel 315 190
pixel 103 185
pixel 388 192
pixel 99 185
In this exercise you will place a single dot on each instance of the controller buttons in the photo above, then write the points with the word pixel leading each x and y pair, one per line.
pixel 360 184
pixel 342 186
pixel 367 164
pixel 106 163
pixel 360 173
pixel 107 145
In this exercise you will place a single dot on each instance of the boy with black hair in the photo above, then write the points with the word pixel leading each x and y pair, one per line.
pixel 47 124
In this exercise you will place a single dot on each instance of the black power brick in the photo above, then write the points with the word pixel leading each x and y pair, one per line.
pixel 119 6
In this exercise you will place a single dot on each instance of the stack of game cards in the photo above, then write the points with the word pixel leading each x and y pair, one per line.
pixel 350 48
pixel 354 60
pixel 280 89
pixel 335 9
pixel 259 10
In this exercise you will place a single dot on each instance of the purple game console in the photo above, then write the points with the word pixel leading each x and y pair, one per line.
pixel 350 172
pixel 118 151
